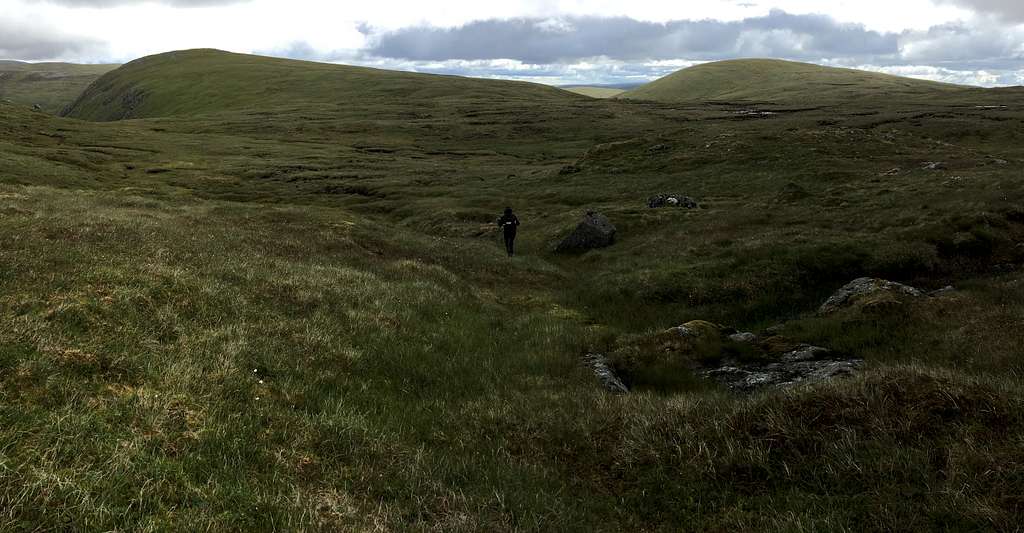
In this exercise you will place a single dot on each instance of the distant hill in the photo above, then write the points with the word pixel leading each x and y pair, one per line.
pixel 787 82
pixel 195 82
pixel 595 91
pixel 51 86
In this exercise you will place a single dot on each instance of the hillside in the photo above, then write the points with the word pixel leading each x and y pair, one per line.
pixel 290 314
pixel 195 82
pixel 51 86
pixel 786 82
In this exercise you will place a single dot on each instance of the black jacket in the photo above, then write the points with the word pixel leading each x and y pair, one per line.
pixel 508 223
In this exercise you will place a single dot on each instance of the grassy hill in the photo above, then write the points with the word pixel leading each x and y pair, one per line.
pixel 786 82
pixel 48 85
pixel 211 81
pixel 295 313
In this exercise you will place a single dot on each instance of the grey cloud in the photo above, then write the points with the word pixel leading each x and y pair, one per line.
pixel 1010 9
pixel 531 40
pixel 20 41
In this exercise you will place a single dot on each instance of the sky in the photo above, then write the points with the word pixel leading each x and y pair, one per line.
pixel 558 42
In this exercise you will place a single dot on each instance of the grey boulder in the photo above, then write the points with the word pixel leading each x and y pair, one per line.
pixel 595 231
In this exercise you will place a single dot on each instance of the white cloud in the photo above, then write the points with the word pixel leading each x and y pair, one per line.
pixel 969 40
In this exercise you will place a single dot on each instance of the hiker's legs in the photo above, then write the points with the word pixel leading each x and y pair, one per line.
pixel 510 244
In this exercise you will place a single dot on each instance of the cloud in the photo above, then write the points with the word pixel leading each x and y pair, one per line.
pixel 986 78
pixel 981 51
pixel 964 46
pixel 568 39
pixel 119 3
pixel 1009 9
pixel 19 40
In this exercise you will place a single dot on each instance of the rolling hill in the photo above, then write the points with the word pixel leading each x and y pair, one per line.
pixel 787 82
pixel 51 86
pixel 196 82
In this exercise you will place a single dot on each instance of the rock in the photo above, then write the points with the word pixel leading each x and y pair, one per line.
pixel 699 329
pixel 569 169
pixel 740 360
pixel 595 231
pixel 873 293
pixel 945 290
pixel 807 364
pixel 772 331
pixel 599 365
pixel 806 352
pixel 791 192
pixel 743 337
pixel 671 200
pixel 933 165
pixel 891 172
pixel 37 107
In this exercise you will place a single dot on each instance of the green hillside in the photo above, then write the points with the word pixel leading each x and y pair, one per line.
pixel 786 82
pixel 281 303
pixel 51 86
pixel 194 82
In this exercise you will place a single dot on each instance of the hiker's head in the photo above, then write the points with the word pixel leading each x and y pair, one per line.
pixel 508 210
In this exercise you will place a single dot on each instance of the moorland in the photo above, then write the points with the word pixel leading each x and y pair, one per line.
pixel 244 293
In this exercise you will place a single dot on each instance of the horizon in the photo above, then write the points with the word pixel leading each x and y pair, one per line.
pixel 610 85
pixel 970 42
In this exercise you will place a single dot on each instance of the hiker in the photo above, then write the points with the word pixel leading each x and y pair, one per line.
pixel 508 224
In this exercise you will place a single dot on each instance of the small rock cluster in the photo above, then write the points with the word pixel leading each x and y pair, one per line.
pixel 747 362
pixel 671 200
pixel 804 364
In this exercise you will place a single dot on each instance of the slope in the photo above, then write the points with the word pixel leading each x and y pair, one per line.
pixel 786 82
pixel 51 86
pixel 199 82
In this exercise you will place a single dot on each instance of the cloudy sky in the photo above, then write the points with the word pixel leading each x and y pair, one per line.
pixel 550 41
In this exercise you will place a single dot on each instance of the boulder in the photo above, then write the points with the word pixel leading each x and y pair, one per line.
pixel 595 231
pixel 791 192
pixel 933 165
pixel 871 294
pixel 671 200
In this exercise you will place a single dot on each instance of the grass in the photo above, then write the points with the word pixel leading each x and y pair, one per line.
pixel 279 312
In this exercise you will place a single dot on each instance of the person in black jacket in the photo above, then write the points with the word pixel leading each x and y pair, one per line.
pixel 508 224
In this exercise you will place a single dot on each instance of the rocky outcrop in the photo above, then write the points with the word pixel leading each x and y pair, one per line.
pixel 671 200
pixel 868 293
pixel 741 361
pixel 595 231
pixel 804 365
